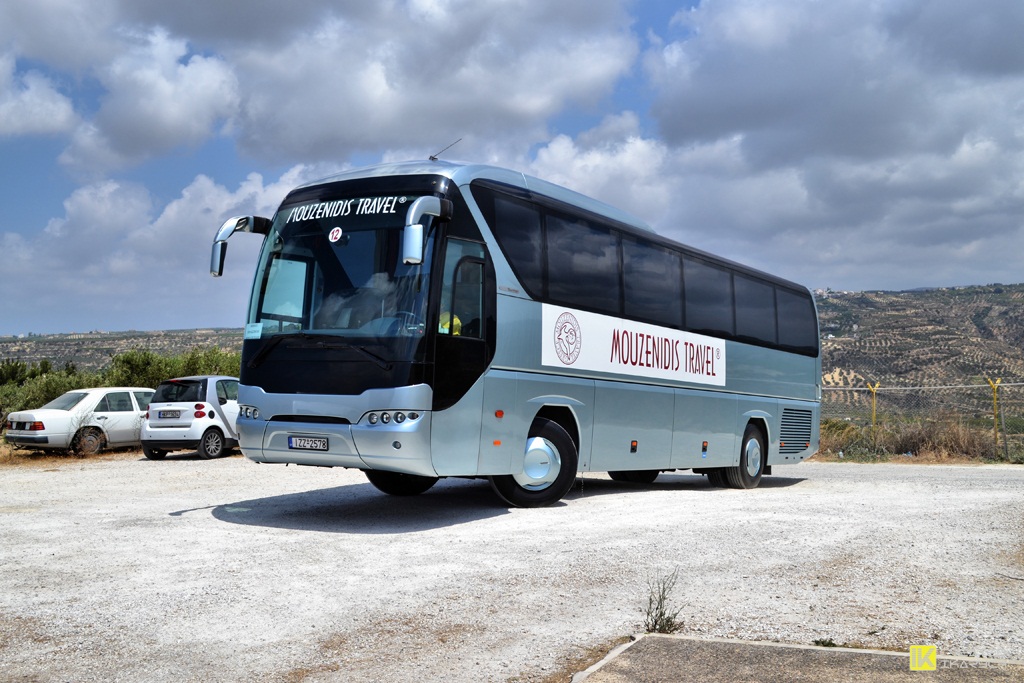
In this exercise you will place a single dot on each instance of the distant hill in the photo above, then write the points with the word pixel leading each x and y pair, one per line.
pixel 946 336
pixel 93 350
pixel 924 337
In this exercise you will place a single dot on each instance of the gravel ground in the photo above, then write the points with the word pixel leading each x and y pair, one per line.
pixel 123 569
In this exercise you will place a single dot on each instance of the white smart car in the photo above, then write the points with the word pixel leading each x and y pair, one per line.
pixel 84 421
pixel 192 413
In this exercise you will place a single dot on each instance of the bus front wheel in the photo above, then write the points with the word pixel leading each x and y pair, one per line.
pixel 752 460
pixel 549 468
pixel 398 484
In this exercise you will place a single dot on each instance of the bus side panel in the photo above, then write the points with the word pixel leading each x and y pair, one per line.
pixel 758 371
pixel 500 436
pixel 521 396
pixel 799 432
pixel 455 435
pixel 704 416
pixel 764 411
pixel 624 413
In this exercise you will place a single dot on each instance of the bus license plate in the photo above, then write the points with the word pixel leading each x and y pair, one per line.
pixel 169 413
pixel 307 443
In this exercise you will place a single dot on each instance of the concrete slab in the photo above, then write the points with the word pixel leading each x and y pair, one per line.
pixel 671 659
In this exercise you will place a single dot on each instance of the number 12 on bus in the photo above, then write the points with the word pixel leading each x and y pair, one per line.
pixel 427 319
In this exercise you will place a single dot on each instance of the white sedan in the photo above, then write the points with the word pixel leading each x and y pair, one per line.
pixel 84 421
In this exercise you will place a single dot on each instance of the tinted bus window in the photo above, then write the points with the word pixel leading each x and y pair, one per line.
pixel 583 264
pixel 708 298
pixel 652 277
pixel 518 229
pixel 755 310
pixel 798 326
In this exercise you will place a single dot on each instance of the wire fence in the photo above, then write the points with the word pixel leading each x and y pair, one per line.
pixel 993 410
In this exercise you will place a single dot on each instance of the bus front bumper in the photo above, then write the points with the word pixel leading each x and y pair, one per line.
pixel 395 447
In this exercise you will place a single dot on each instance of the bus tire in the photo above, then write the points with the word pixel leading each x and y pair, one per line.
pixel 549 468
pixel 399 484
pixel 635 476
pixel 716 477
pixel 752 460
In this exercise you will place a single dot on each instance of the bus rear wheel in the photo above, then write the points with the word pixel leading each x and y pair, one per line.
pixel 752 460
pixel 398 484
pixel 549 468
pixel 635 476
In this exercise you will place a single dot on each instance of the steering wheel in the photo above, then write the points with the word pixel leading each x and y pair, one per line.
pixel 408 322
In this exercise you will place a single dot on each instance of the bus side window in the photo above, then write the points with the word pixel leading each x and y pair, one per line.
pixel 467 296
pixel 462 290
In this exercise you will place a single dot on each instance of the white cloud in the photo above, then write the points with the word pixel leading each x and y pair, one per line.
pixel 419 77
pixel 114 261
pixel 30 104
pixel 65 34
pixel 158 97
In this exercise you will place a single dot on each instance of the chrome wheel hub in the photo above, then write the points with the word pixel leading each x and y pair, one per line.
pixel 753 453
pixel 541 464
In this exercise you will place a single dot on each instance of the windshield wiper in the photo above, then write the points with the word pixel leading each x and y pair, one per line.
pixel 321 340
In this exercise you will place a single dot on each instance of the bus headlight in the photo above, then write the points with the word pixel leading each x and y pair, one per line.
pixel 388 416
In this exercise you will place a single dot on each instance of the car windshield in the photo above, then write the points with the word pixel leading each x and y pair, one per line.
pixel 334 267
pixel 178 391
pixel 66 401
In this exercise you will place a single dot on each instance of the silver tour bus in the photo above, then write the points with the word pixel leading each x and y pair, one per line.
pixel 429 319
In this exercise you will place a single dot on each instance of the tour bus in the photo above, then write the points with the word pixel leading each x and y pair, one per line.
pixel 422 320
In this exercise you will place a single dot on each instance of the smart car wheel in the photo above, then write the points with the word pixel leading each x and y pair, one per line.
pixel 212 444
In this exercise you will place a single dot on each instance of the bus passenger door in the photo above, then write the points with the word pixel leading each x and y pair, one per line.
pixel 463 350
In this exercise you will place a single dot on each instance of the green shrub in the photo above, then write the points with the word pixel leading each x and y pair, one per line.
pixel 942 437
pixel 26 387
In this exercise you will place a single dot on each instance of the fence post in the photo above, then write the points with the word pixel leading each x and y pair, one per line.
pixel 874 396
pixel 995 409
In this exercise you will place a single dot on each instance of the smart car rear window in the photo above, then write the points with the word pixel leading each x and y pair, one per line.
pixel 178 391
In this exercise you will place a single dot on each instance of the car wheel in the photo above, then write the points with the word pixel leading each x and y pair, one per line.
pixel 212 444
pixel 88 441
pixel 549 468
pixel 399 484
pixel 153 453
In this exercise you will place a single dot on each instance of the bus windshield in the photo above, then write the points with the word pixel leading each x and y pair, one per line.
pixel 334 267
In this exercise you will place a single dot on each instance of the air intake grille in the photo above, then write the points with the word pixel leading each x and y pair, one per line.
pixel 796 430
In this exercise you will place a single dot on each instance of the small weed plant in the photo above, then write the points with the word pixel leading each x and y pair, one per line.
pixel 661 618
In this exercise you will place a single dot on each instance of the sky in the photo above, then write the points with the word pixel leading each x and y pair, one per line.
pixel 843 144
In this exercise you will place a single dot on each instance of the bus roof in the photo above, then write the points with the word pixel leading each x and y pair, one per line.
pixel 462 173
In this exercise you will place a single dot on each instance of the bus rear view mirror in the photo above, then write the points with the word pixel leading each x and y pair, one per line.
pixel 412 244
pixel 256 224
pixel 412 239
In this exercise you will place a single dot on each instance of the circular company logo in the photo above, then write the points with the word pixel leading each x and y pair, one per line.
pixel 567 338
pixel 335 234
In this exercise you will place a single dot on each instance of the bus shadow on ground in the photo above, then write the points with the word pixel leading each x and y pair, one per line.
pixel 666 481
pixel 362 509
